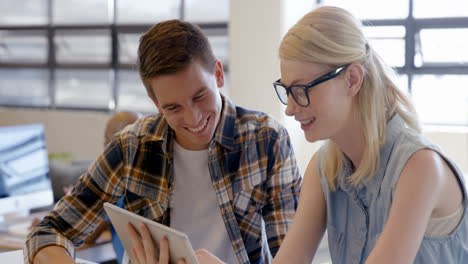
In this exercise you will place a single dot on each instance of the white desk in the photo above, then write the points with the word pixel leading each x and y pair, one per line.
pixel 16 257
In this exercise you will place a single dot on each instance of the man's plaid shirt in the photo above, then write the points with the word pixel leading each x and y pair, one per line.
pixel 252 168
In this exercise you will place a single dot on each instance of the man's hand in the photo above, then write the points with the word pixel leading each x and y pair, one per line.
pixel 145 250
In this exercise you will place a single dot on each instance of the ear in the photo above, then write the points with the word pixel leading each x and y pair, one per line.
pixel 219 74
pixel 354 77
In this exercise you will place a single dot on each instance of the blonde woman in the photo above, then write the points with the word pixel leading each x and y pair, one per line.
pixel 384 193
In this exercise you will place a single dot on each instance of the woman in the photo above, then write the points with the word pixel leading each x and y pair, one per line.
pixel 384 193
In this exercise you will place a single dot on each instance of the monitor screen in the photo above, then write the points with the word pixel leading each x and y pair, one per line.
pixel 24 169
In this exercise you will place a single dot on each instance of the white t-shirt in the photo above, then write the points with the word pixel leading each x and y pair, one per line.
pixel 195 209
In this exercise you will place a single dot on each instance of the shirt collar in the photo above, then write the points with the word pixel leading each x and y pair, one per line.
pixel 225 133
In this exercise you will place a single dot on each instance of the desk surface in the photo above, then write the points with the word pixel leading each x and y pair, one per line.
pixel 14 257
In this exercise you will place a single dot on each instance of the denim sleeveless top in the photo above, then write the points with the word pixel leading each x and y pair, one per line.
pixel 356 216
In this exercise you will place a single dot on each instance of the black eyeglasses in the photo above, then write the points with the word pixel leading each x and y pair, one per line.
pixel 300 93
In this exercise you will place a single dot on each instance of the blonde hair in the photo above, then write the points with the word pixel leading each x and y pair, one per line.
pixel 332 36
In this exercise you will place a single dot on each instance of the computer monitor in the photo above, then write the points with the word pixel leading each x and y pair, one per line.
pixel 24 169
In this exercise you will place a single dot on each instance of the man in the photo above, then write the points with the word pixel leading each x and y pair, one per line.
pixel 224 175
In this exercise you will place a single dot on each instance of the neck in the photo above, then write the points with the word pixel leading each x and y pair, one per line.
pixel 351 141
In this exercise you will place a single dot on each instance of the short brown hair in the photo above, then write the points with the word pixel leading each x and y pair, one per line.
pixel 169 47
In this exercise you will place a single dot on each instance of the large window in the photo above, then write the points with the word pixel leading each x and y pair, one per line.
pixel 426 42
pixel 81 54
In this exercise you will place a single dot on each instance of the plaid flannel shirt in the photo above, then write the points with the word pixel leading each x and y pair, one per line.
pixel 252 168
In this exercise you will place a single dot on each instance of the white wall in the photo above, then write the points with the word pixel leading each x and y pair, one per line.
pixel 254 35
pixel 454 143
pixel 255 31
pixel 78 133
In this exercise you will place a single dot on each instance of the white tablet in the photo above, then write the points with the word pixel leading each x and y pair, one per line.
pixel 179 244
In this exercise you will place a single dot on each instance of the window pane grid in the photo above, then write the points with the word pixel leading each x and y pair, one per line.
pixel 371 9
pixel 23 46
pixel 68 53
pixel 81 12
pixel 132 94
pixel 24 87
pixel 430 52
pixel 27 12
pixel 389 42
pixel 83 46
pixel 436 8
pixel 146 11
pixel 452 42
pixel 83 88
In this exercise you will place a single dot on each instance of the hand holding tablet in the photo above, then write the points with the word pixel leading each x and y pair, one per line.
pixel 145 250
pixel 178 243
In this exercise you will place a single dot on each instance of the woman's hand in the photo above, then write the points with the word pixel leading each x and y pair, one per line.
pixel 145 250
